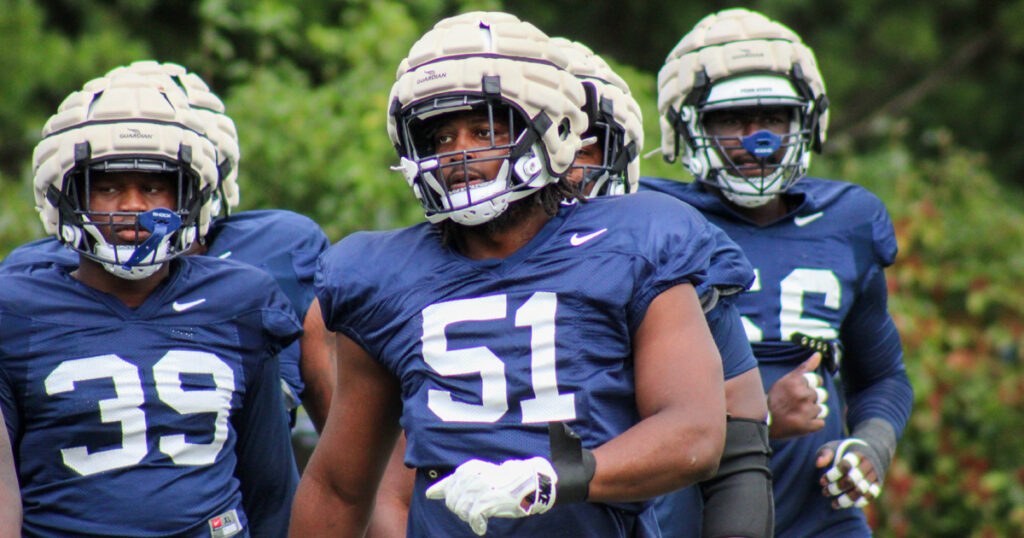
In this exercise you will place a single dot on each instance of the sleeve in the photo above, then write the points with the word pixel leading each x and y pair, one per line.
pixel 339 287
pixel 280 325
pixel 730 271
pixel 8 399
pixel 882 232
pixel 876 382
pixel 304 263
pixel 731 339
pixel 678 248
pixel 266 466
pixel 8 406
pixel 281 332
pixel 309 244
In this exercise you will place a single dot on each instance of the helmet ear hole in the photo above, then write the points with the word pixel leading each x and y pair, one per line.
pixel 563 129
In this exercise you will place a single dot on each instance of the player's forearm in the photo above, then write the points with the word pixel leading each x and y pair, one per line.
pixel 388 519
pixel 319 510
pixel 393 497
pixel 662 453
pixel 10 513
pixel 744 396
pixel 890 399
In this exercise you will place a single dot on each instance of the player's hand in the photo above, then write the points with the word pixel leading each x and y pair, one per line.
pixel 797 401
pixel 852 478
pixel 477 490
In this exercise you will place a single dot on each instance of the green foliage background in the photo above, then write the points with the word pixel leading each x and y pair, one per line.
pixel 924 114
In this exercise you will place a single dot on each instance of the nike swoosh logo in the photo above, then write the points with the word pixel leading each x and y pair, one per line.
pixel 225 255
pixel 577 239
pixel 804 221
pixel 181 307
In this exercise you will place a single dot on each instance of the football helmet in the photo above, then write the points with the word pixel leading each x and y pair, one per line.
pixel 495 64
pixel 124 123
pixel 615 121
pixel 740 59
pixel 220 128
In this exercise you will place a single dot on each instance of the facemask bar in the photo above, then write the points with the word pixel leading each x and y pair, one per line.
pixel 74 203
pixel 417 126
pixel 773 174
pixel 609 177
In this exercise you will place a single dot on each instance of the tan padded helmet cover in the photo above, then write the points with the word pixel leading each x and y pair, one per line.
pixel 450 59
pixel 588 66
pixel 220 128
pixel 726 43
pixel 127 115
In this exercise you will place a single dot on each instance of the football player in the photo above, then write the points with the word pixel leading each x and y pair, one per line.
pixel 282 243
pixel 141 387
pixel 532 350
pixel 738 500
pixel 608 164
pixel 742 103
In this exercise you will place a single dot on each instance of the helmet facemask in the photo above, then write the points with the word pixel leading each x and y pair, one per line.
pixel 455 184
pixel 615 127
pixel 750 168
pixel 170 231
pixel 739 58
pixel 505 68
pixel 609 176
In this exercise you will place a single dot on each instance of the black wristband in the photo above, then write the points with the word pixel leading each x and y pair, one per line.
pixel 574 464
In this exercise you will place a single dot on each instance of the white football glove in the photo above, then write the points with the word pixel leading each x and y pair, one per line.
pixel 850 471
pixel 874 441
pixel 477 490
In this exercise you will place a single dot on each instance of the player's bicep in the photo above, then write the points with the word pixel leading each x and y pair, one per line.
pixel 362 425
pixel 676 361
pixel 317 365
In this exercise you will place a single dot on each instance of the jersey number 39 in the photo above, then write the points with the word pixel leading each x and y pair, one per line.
pixel 126 407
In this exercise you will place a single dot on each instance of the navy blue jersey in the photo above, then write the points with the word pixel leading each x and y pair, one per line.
pixel 819 272
pixel 678 513
pixel 488 351
pixel 282 243
pixel 286 246
pixel 152 421
pixel 39 253
pixel 730 273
